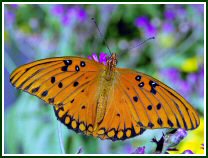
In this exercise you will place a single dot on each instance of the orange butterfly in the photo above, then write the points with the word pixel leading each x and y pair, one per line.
pixel 102 100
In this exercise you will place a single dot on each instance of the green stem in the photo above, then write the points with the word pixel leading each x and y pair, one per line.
pixel 60 138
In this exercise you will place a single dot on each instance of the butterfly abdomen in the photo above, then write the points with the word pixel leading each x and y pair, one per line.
pixel 106 82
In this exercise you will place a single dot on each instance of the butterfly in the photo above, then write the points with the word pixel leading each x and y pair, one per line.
pixel 102 100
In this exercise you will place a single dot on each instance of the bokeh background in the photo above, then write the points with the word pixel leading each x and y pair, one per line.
pixel 175 57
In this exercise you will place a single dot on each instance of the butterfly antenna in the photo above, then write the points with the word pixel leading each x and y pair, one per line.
pixel 101 35
pixel 150 38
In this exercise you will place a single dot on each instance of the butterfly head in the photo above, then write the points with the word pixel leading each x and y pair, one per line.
pixel 112 61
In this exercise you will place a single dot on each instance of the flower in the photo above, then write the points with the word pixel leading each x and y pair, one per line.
pixel 193 141
pixel 57 10
pixel 188 152
pixel 67 15
pixel 9 17
pixel 139 150
pixel 175 138
pixel 168 27
pixel 102 58
pixel 169 14
pixel 144 23
pixel 198 7
pixel 15 6
pixel 74 13
pixel 168 141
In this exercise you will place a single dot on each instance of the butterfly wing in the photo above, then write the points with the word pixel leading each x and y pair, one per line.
pixel 141 102
pixel 68 83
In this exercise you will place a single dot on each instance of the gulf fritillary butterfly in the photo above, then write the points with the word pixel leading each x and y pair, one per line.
pixel 102 100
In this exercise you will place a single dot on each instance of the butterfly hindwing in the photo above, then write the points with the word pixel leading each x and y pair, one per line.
pixel 78 113
pixel 118 122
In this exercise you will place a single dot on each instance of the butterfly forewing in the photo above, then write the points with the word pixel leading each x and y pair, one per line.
pixel 156 105
pixel 48 78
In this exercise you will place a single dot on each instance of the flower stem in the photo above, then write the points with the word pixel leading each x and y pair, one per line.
pixel 60 138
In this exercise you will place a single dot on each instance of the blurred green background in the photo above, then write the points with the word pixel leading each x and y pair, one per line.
pixel 33 32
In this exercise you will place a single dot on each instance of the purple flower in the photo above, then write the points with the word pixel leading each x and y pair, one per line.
pixel 9 17
pixel 139 150
pixel 171 73
pixel 202 146
pixel 192 78
pixel 168 27
pixel 200 81
pixel 169 14
pixel 82 14
pixel 181 12
pixel 93 57
pixel 57 10
pixel 198 7
pixel 144 23
pixel 74 13
pixel 188 152
pixel 102 58
pixel 175 138
pixel 15 5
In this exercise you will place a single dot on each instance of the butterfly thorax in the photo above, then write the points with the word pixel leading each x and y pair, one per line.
pixel 111 65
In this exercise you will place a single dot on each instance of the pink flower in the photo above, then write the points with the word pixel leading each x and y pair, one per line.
pixel 101 59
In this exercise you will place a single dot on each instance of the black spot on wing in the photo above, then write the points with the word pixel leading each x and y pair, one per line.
pixel 141 84
pixel 138 78
pixel 170 123
pixel 67 62
pixel 82 64
pixel 34 90
pixel 45 93
pixel 77 68
pixel 159 121
pixel 76 83
pixel 135 98
pixel 153 85
pixel 53 79
pixel 149 107
pixel 51 100
pixel 60 85
pixel 158 106
pixel 64 68
pixel 150 124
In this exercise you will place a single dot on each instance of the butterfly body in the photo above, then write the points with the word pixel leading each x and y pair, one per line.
pixel 102 100
pixel 107 80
